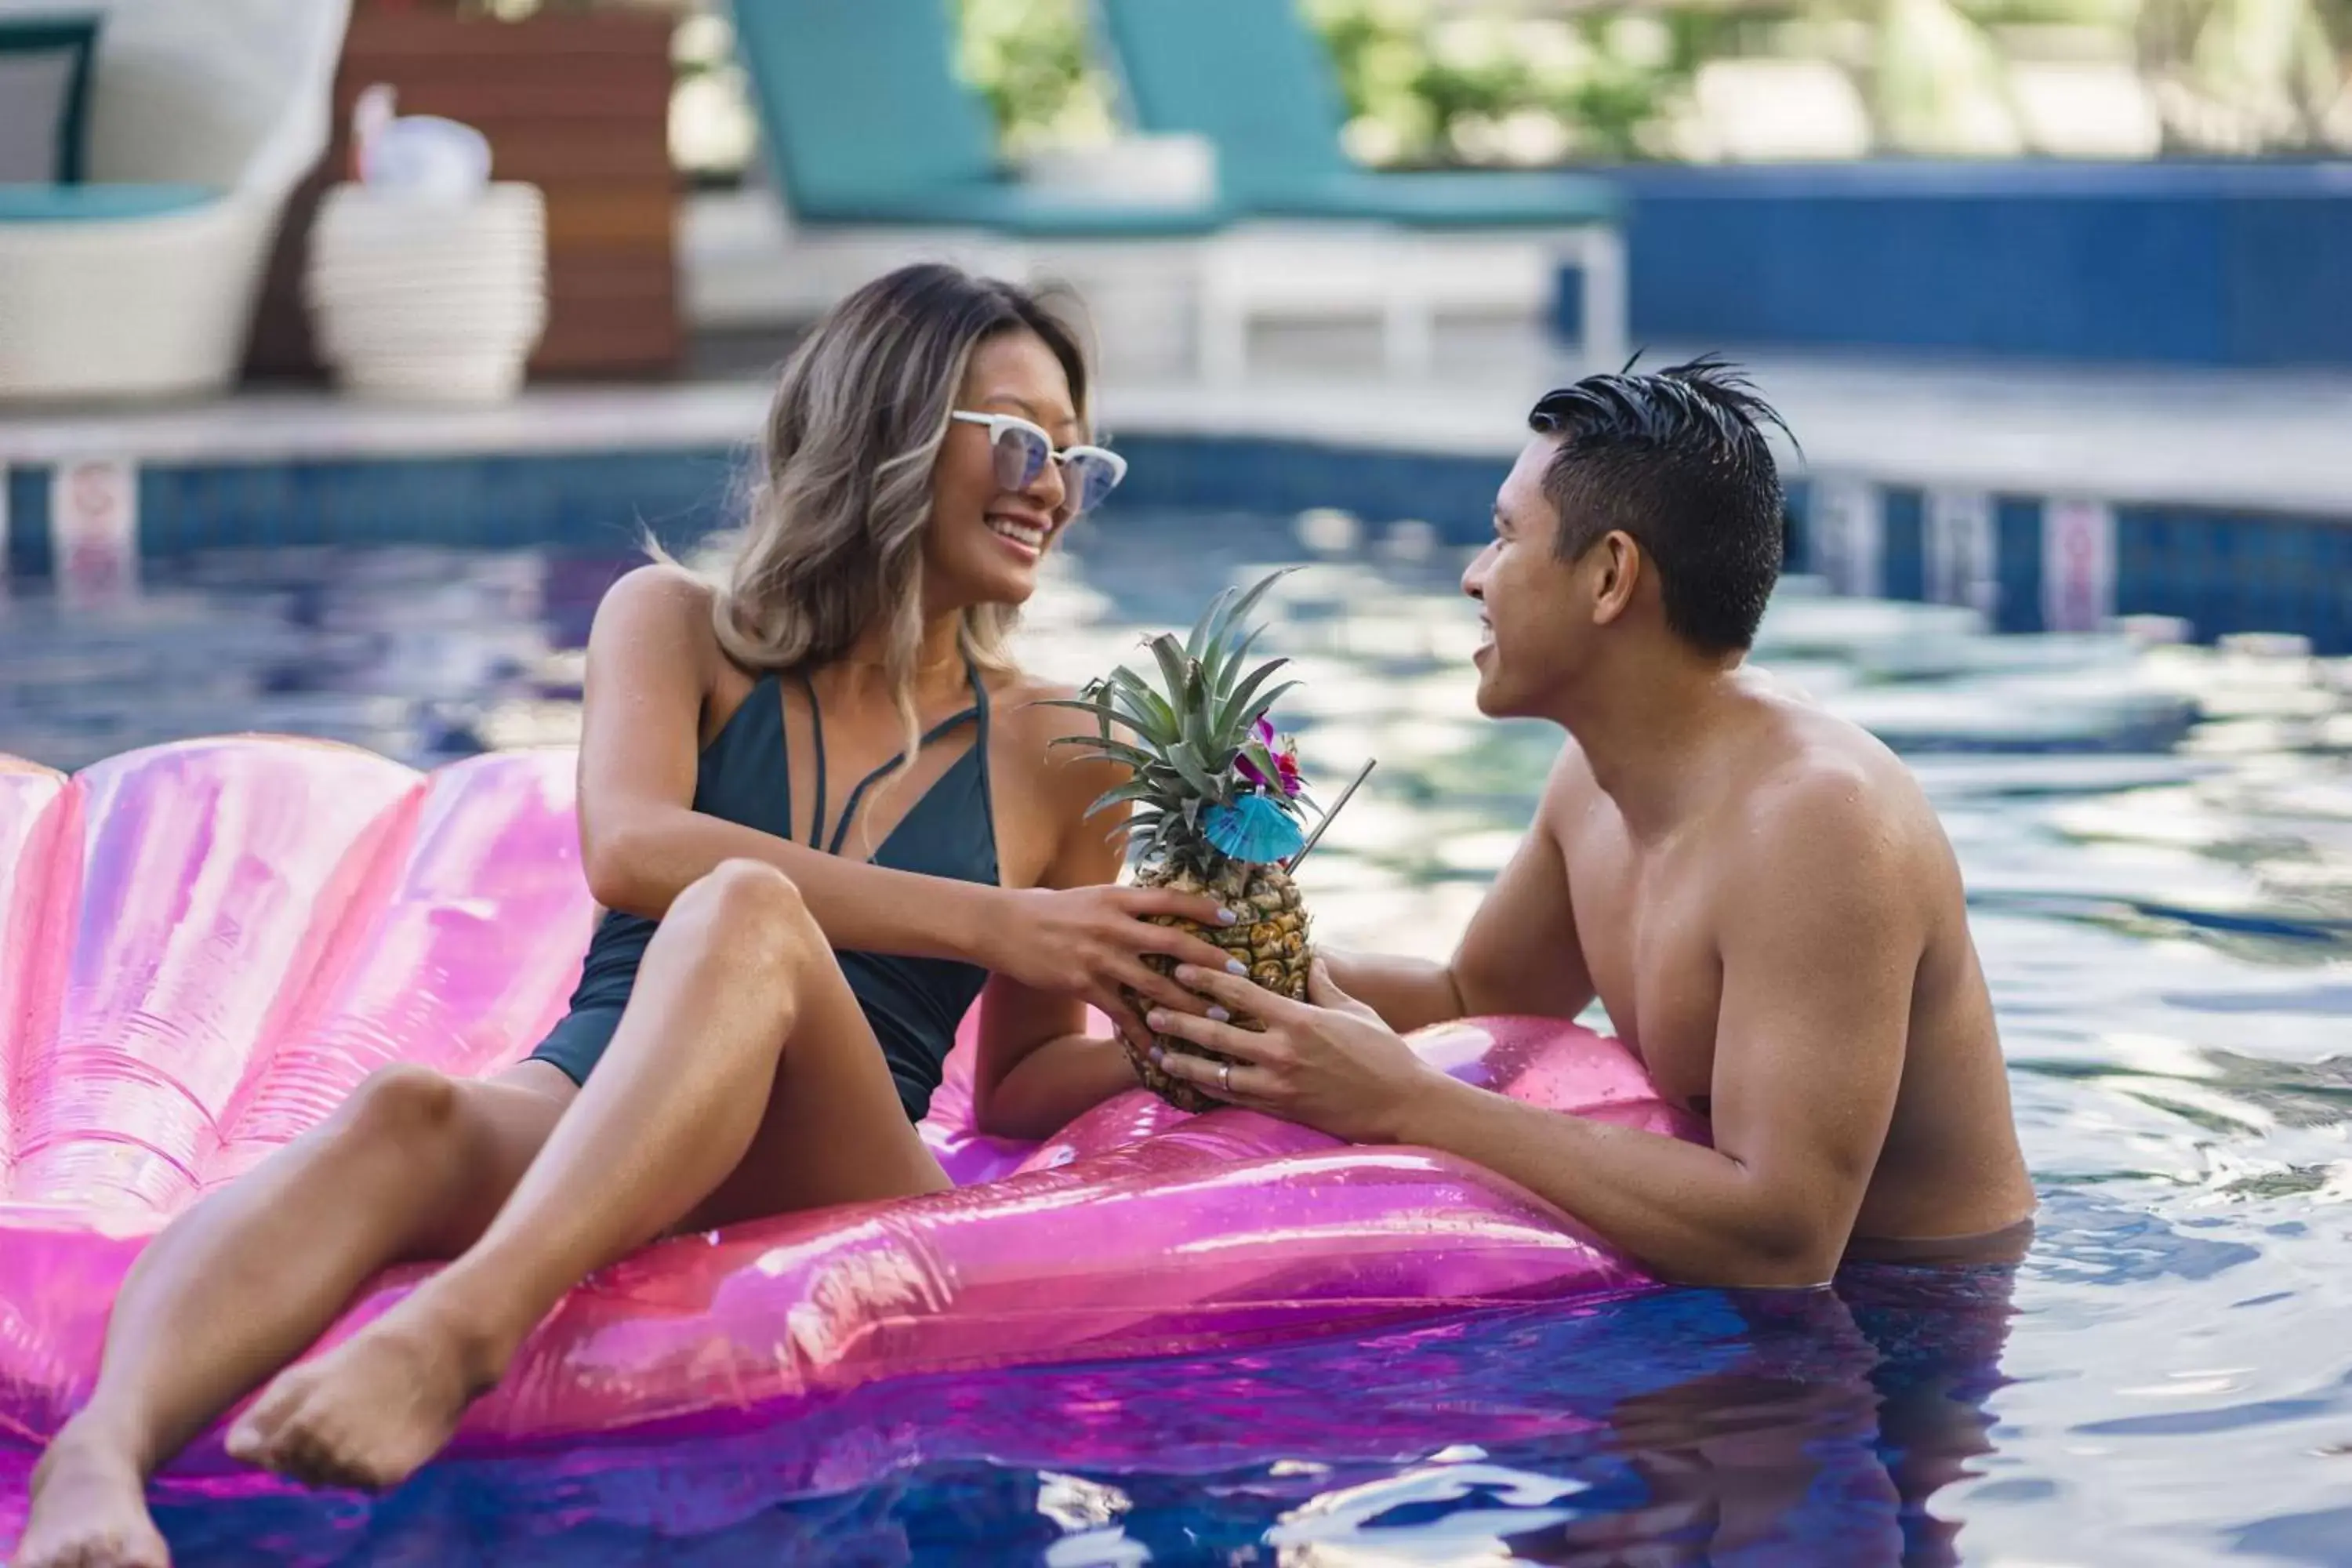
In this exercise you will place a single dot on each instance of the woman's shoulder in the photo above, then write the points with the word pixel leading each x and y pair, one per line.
pixel 660 611
pixel 661 600
pixel 1026 706
pixel 1024 703
pixel 660 588
pixel 1028 717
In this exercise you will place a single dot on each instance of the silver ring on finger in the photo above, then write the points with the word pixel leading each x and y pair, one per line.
pixel 1225 1078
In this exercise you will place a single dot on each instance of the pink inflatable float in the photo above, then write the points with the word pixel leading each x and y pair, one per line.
pixel 203 947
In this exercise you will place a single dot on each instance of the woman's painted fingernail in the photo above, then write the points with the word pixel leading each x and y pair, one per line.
pixel 1218 1015
pixel 1235 966
pixel 1158 1056
pixel 1157 1019
pixel 1226 917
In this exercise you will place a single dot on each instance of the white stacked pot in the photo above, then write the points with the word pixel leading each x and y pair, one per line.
pixel 429 296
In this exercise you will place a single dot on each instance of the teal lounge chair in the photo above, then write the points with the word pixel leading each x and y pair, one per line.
pixel 1251 77
pixel 868 126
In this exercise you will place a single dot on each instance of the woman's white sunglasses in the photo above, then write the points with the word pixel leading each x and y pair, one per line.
pixel 1021 451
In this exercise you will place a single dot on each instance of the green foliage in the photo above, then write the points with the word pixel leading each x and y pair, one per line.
pixel 1030 59
pixel 1426 84
pixel 1426 89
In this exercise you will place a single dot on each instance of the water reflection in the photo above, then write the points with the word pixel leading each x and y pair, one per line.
pixel 1684 1429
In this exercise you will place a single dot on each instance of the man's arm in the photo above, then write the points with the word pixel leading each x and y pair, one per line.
pixel 1818 944
pixel 1520 953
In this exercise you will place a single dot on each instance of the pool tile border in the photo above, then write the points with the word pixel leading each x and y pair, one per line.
pixel 2032 562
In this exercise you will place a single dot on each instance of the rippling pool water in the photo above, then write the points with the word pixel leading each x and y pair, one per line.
pixel 2159 846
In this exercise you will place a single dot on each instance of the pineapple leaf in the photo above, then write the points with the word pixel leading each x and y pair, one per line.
pixel 1220 619
pixel 1188 766
pixel 1154 717
pixel 1133 790
pixel 1228 720
pixel 1173 665
pixel 1196 646
pixel 1224 660
pixel 1117 702
pixel 1144 838
pixel 1259 706
pixel 1201 740
pixel 1135 757
pixel 1097 707
pixel 1106 712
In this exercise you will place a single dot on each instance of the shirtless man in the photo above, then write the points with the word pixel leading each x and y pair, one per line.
pixel 1757 892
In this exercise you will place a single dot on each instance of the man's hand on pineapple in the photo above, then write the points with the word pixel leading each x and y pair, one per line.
pixel 1328 1062
pixel 1089 942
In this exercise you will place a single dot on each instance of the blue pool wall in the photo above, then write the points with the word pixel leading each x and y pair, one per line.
pixel 2237 264
pixel 2221 570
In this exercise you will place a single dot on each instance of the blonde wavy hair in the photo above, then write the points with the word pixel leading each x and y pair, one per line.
pixel 833 539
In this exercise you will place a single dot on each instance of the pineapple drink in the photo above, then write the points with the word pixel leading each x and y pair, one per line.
pixel 1216 799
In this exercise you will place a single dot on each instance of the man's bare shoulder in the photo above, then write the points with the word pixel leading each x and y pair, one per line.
pixel 1824 797
pixel 1570 793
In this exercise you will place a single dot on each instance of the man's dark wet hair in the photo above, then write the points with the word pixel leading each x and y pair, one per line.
pixel 1678 459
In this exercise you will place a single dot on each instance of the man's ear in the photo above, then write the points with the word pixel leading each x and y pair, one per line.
pixel 1619 559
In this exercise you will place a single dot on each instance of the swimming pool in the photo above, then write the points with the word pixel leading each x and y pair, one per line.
pixel 2159 845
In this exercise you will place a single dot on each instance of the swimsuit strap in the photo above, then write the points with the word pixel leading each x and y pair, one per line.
pixel 978 710
pixel 816 730
pixel 980 744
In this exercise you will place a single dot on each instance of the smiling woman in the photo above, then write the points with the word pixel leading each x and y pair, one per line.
pixel 818 960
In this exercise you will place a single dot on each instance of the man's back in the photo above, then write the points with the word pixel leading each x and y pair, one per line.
pixel 1664 888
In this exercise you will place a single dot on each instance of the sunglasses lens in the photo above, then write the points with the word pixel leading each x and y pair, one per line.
pixel 1020 457
pixel 1090 480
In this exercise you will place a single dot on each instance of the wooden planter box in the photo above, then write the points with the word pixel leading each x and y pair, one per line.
pixel 574 102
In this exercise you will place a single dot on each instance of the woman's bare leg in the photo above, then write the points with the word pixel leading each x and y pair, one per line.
pixel 412 1165
pixel 743 1080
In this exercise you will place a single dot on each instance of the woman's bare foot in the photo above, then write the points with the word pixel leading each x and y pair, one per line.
pixel 371 1411
pixel 90 1510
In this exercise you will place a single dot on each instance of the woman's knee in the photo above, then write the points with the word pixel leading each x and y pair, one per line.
pixel 403 1105
pixel 750 908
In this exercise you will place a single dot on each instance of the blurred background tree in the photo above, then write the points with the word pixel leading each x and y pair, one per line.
pixel 1034 62
pixel 1439 82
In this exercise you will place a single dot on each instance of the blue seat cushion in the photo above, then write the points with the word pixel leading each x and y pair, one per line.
pixel 97 203
pixel 1009 208
pixel 1449 199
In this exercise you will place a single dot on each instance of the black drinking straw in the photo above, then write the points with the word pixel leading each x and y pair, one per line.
pixel 1361 774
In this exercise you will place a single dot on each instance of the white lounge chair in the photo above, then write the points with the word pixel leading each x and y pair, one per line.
pixel 1320 236
pixel 140 283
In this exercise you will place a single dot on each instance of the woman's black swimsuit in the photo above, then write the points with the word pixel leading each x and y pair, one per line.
pixel 913 1003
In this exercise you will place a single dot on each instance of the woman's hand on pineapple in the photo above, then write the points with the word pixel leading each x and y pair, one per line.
pixel 1328 1062
pixel 1089 942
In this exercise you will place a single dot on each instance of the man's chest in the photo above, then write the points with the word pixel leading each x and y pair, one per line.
pixel 1644 921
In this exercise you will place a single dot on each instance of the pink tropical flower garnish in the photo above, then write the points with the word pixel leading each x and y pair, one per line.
pixel 1282 748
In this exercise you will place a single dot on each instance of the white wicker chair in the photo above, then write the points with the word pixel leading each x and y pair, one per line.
pixel 233 95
